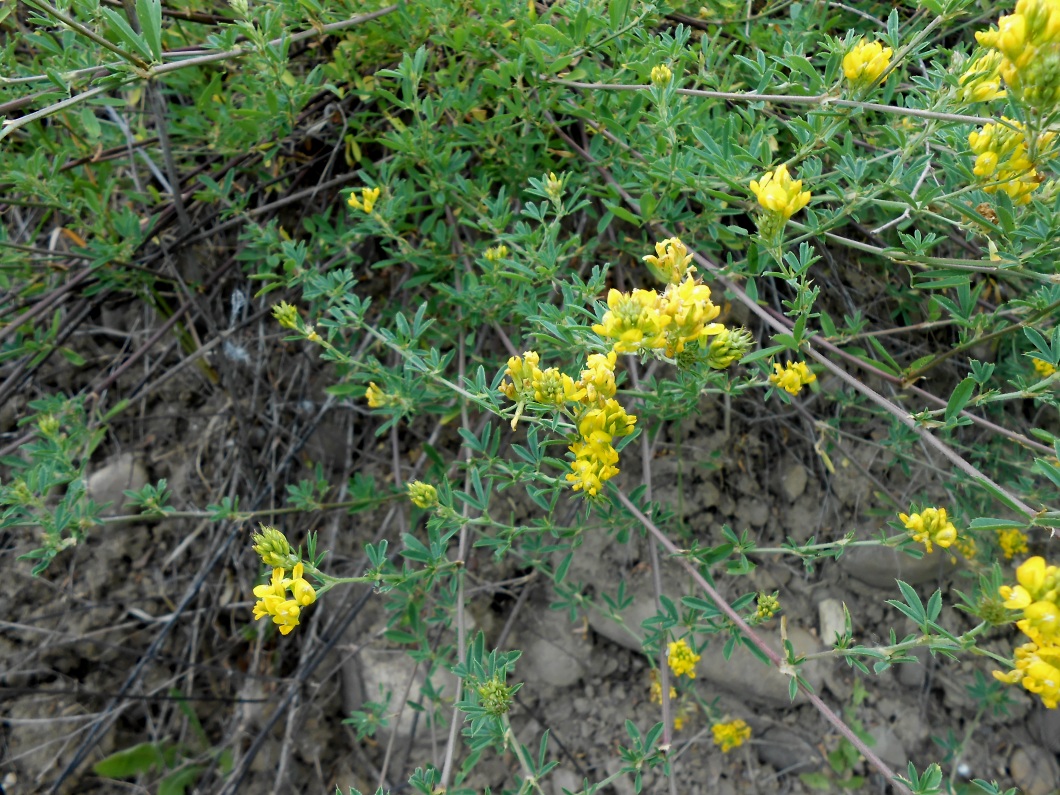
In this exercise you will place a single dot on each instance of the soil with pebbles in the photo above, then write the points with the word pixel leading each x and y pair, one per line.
pixel 83 648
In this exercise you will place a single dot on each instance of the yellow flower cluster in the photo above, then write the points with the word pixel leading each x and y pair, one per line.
pixel 273 600
pixel 375 396
pixel 595 456
pixel 864 64
pixel 1012 542
pixel 981 81
pixel 768 605
pixel 655 689
pixel 645 320
pixel 681 659
pixel 728 346
pixel 1037 596
pixel 930 526
pixel 1002 158
pixel 496 253
pixel 1043 368
pixel 369 196
pixel 730 735
pixel 1029 43
pixel 779 195
pixel 422 495
pixel 791 377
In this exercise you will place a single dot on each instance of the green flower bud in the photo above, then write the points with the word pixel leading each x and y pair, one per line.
pixel 273 547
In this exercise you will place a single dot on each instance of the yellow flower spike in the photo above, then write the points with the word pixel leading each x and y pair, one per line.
pixel 792 377
pixel 286 315
pixel 554 187
pixel 864 64
pixel 730 735
pixel 689 309
pixel 609 419
pixel 422 495
pixel 929 527
pixel 777 193
pixel 496 253
pixel 681 659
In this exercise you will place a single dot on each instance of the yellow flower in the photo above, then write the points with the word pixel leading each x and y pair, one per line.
pixel 779 194
pixel 1028 41
pixel 1037 668
pixel 1002 158
pixel 606 421
pixel 1043 368
pixel 302 592
pixel 791 377
pixel 496 253
pixel 598 377
pixel 661 75
pixel 554 187
pixel 865 63
pixel 767 606
pixel 981 81
pixel 369 196
pixel 375 396
pixel 679 722
pixel 655 689
pixel 930 526
pixel 681 659
pixel 1037 582
pixel 273 601
pixel 633 320
pixel 521 372
pixel 422 495
pixel 690 310
pixel 1012 542
pixel 593 465
pixel 730 735
pixel 671 262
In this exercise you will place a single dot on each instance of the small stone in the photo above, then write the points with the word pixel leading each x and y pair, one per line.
pixel 1034 770
pixel 786 751
pixel 888 747
pixel 1045 727
pixel 707 495
pixel 793 482
pixel 831 620
pixel 879 567
pixel 553 652
pixel 748 676
pixel 109 482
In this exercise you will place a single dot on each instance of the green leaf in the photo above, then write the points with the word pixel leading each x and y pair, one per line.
pixel 623 213
pixel 149 12
pixel 960 397
pixel 130 761
pixel 176 783
pixel 616 13
pixel 125 33
pixel 986 523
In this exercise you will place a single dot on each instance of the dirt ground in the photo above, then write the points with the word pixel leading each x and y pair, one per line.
pixel 144 633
